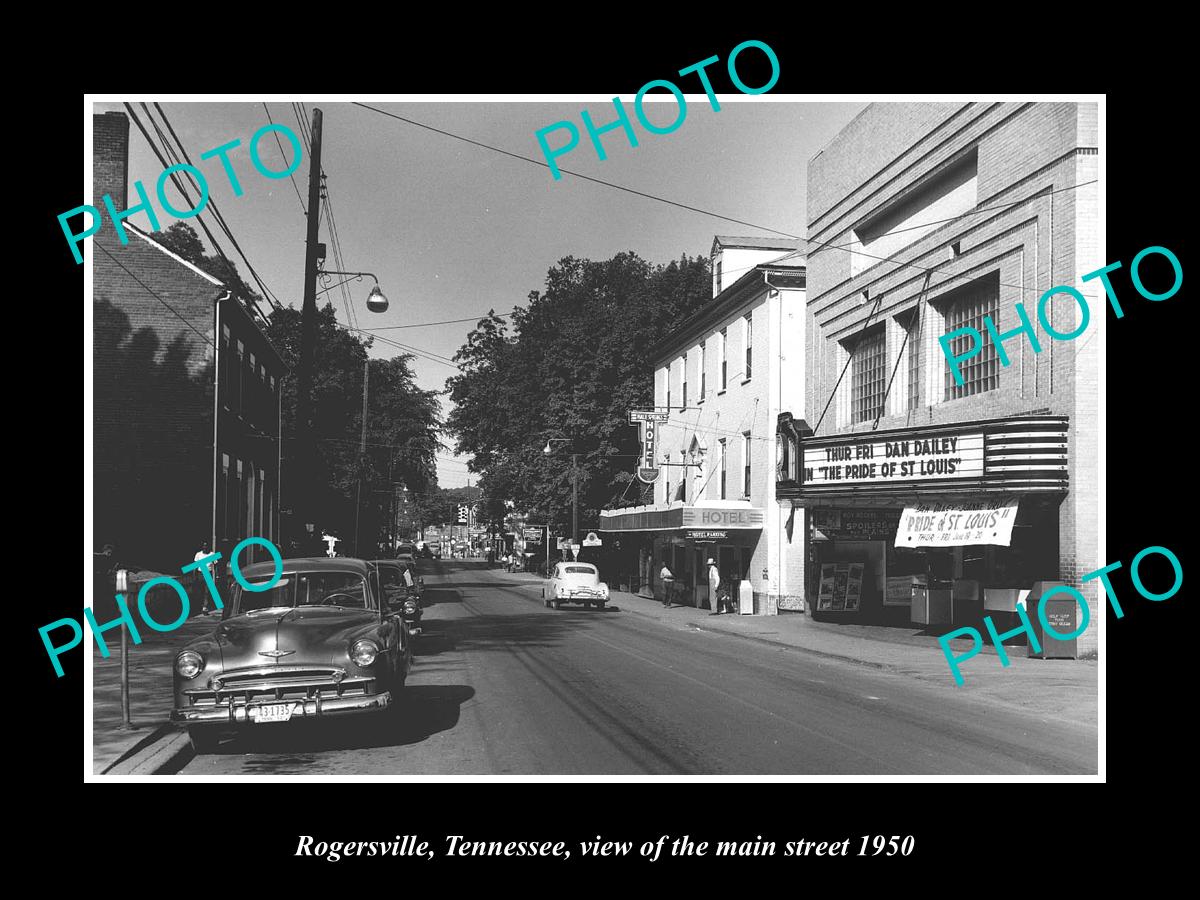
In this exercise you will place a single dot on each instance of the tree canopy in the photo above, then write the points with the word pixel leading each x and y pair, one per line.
pixel 569 365
pixel 403 422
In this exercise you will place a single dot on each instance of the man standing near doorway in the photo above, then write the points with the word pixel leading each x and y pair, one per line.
pixel 668 583
pixel 714 587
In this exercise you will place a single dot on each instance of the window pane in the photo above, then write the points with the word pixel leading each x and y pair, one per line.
pixel 868 378
pixel 981 372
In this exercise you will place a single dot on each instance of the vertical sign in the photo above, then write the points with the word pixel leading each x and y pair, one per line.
pixel 647 422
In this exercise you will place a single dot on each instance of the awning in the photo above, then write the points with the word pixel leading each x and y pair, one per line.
pixel 958 524
pixel 674 518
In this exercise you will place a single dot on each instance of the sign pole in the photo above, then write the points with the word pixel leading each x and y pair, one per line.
pixel 122 584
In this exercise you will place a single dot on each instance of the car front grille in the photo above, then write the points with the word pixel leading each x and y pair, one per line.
pixel 267 683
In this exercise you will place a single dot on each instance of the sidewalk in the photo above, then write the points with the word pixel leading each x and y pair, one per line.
pixel 1062 688
pixel 150 695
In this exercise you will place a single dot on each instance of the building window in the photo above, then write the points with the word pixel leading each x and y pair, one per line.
pixel 746 463
pixel 912 349
pixel 718 270
pixel 967 310
pixel 723 449
pixel 240 366
pixel 724 355
pixel 868 375
pixel 703 366
pixel 683 361
pixel 226 369
pixel 668 390
pixel 749 344
pixel 668 491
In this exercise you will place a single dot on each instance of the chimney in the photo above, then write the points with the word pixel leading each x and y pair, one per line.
pixel 110 159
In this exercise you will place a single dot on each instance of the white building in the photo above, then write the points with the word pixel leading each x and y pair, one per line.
pixel 723 377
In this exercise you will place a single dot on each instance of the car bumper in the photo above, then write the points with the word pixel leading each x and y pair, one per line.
pixel 316 708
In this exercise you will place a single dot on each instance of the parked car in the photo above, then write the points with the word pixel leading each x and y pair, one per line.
pixel 403 589
pixel 574 582
pixel 392 578
pixel 321 642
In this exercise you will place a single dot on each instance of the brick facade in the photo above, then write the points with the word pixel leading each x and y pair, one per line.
pixel 153 369
pixel 1035 231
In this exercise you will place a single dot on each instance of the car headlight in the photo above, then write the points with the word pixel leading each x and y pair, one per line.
pixel 189 664
pixel 364 652
pixel 410 606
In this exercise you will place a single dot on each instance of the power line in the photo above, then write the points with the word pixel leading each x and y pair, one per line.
pixel 291 175
pixel 812 241
pixel 267 293
pixel 446 322
pixel 204 337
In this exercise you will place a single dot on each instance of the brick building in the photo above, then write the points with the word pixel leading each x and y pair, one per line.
pixel 989 204
pixel 160 325
pixel 720 381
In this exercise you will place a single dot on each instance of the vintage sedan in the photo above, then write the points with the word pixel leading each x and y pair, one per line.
pixel 322 642
pixel 574 582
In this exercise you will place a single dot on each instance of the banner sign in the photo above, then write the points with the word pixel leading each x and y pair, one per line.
pixel 958 524
pixel 701 536
pixel 533 535
pixel 915 459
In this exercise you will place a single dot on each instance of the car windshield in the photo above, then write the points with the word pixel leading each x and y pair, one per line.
pixel 345 589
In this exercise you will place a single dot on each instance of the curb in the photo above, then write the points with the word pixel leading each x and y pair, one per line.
pixel 165 750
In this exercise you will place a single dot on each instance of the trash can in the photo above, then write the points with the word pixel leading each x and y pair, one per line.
pixel 1061 613
pixel 746 598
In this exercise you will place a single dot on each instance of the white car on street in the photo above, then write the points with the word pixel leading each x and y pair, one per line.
pixel 575 582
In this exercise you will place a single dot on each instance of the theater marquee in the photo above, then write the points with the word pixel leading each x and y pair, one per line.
pixel 913 458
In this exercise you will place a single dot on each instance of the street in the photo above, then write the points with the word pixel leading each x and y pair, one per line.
pixel 503 685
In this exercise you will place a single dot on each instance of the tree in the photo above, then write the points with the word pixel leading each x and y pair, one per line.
pixel 571 365
pixel 403 422
pixel 182 240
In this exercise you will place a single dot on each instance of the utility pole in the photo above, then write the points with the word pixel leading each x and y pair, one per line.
pixel 362 457
pixel 306 455
pixel 574 496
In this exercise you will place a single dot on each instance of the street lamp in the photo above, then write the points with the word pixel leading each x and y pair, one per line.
pixel 376 301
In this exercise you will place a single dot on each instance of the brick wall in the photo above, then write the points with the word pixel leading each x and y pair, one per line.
pixel 153 348
pixel 1040 233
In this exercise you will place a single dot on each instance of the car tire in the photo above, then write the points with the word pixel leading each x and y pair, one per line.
pixel 204 740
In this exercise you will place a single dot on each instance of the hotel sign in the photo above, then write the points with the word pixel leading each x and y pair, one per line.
pixel 693 516
pixel 647 422
pixel 901 459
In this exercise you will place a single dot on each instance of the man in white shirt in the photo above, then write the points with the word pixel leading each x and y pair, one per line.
pixel 714 587
pixel 198 585
pixel 668 582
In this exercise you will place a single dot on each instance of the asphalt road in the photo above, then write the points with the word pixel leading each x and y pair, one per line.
pixel 502 685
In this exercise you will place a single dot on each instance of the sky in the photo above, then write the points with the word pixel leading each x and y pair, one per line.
pixel 454 230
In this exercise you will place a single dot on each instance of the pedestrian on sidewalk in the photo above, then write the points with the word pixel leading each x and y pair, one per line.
pixel 714 587
pixel 667 577
pixel 198 584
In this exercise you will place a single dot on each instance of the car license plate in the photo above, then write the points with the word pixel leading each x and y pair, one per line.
pixel 273 712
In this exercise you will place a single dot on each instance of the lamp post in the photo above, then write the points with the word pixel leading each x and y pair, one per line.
pixel 574 484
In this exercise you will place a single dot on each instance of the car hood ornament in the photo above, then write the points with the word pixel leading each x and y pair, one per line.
pixel 275 654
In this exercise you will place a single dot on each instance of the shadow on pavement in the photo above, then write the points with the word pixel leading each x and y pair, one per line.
pixel 424 710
